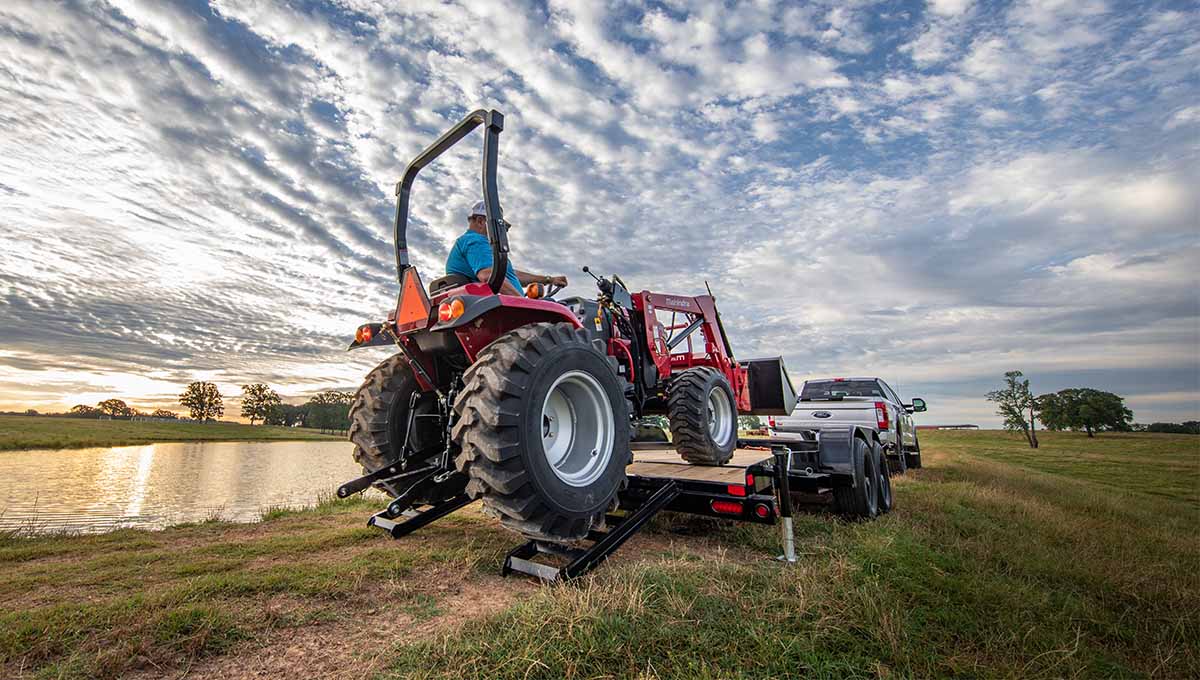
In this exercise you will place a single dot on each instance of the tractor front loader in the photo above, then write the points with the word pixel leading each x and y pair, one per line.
pixel 527 401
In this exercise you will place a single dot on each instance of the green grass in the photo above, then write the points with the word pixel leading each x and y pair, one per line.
pixel 39 432
pixel 1080 559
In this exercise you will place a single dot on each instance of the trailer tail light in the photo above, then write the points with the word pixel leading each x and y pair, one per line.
pixel 762 511
pixel 881 415
pixel 750 480
pixel 726 507
pixel 771 422
pixel 736 490
pixel 449 311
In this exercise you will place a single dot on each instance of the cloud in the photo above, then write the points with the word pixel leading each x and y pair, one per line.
pixel 936 196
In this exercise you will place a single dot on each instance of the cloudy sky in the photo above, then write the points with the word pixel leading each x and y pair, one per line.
pixel 935 193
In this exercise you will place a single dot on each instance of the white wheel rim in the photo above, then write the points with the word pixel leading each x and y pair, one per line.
pixel 720 415
pixel 577 428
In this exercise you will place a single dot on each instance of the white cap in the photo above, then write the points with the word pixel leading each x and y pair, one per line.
pixel 479 210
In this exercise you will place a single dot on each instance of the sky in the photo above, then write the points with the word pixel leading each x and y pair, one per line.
pixel 934 193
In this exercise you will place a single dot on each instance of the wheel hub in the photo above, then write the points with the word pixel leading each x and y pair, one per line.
pixel 720 415
pixel 577 428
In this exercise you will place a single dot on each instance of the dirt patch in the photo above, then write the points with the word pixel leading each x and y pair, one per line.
pixel 356 641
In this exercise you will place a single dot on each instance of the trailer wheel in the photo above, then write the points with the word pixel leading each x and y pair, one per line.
pixel 886 500
pixel 543 431
pixel 379 418
pixel 860 501
pixel 703 416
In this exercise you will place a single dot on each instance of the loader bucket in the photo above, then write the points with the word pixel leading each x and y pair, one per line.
pixel 771 391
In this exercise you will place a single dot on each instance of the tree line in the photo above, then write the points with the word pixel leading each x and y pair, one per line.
pixel 327 411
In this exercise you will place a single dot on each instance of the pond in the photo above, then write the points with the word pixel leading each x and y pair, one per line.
pixel 156 485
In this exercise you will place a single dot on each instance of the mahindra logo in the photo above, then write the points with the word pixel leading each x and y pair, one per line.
pixel 822 414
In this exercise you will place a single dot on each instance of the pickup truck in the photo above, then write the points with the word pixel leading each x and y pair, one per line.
pixel 868 402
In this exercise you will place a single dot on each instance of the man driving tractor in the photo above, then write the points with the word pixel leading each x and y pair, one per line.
pixel 471 257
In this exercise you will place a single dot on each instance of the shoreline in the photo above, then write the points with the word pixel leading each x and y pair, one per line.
pixel 30 433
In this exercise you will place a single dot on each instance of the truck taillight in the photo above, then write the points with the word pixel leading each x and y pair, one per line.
pixel 881 415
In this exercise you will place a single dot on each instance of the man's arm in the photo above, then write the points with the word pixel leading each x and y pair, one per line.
pixel 527 278
pixel 506 288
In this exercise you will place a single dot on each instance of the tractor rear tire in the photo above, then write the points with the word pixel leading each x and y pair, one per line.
pixel 703 416
pixel 543 431
pixel 379 418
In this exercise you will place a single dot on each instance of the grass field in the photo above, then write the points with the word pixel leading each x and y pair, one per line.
pixel 1080 559
pixel 39 432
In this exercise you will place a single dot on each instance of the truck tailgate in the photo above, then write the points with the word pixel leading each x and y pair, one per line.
pixel 816 414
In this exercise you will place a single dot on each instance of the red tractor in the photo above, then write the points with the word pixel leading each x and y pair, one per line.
pixel 528 402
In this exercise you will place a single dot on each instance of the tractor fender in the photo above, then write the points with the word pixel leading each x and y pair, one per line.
pixel 837 447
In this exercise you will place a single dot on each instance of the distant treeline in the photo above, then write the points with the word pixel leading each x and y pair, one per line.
pixel 1188 427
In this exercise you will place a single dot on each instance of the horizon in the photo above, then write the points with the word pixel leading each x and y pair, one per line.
pixel 929 193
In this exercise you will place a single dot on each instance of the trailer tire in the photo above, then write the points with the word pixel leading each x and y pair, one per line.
pixel 860 501
pixel 543 431
pixel 703 416
pixel 886 499
pixel 379 418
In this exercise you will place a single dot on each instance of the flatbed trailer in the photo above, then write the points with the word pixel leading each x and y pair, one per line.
pixel 762 484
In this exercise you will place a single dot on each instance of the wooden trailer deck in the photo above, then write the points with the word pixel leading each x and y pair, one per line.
pixel 664 462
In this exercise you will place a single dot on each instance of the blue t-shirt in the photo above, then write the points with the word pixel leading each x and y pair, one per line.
pixel 472 254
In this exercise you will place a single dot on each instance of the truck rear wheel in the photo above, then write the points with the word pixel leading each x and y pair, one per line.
pixel 543 431
pixel 860 501
pixel 884 485
pixel 703 416
pixel 379 418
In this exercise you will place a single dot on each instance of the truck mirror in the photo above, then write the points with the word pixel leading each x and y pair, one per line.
pixel 918 405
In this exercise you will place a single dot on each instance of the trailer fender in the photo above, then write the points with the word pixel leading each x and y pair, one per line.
pixel 837 447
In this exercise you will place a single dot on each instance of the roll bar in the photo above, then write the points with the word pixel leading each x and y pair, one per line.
pixel 497 228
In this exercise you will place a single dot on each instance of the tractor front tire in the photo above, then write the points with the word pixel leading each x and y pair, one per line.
pixel 543 431
pixel 703 416
pixel 379 418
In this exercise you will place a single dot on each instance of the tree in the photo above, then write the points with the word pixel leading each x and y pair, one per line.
pixel 329 411
pixel 257 401
pixel 287 415
pixel 84 411
pixel 203 401
pixel 31 412
pixel 1013 402
pixel 164 413
pixel 114 407
pixel 1084 409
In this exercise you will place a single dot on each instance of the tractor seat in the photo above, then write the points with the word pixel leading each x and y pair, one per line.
pixel 446 282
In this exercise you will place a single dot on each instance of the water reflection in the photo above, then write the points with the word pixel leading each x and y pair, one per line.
pixel 156 485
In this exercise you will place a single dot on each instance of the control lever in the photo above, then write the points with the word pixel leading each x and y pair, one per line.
pixel 602 283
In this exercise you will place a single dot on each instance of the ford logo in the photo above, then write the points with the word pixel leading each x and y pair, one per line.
pixel 822 414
